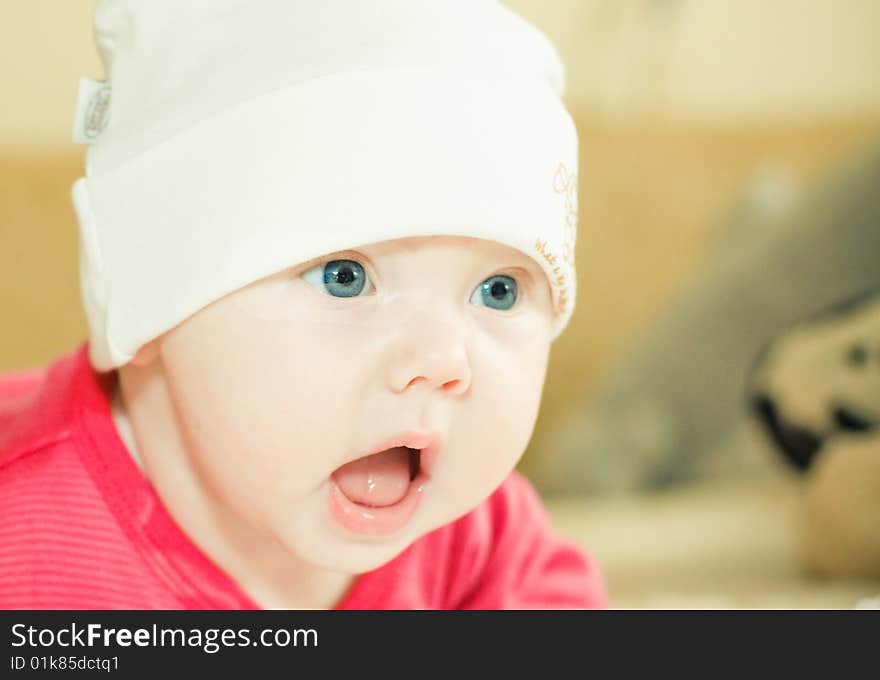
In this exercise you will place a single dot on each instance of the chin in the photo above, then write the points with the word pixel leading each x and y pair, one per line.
pixel 353 557
pixel 349 554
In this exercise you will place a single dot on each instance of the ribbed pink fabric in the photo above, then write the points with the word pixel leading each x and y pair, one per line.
pixel 81 528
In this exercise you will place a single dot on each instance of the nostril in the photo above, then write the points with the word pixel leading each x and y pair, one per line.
pixel 848 420
pixel 452 384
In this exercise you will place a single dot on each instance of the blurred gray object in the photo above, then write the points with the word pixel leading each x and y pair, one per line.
pixel 675 397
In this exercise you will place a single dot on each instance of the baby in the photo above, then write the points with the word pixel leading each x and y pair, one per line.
pixel 324 251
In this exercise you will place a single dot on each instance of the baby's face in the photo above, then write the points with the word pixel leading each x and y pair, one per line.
pixel 436 343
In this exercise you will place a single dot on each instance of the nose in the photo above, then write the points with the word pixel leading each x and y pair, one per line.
pixel 432 353
pixel 799 445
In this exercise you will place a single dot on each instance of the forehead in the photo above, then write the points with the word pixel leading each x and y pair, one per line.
pixel 460 248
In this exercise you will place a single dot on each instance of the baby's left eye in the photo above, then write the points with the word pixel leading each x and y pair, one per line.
pixel 497 292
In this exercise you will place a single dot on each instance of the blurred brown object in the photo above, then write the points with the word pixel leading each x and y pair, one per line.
pixel 815 393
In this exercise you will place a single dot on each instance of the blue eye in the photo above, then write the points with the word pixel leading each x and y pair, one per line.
pixel 340 278
pixel 497 292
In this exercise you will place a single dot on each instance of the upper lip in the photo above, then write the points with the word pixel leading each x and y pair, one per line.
pixel 428 443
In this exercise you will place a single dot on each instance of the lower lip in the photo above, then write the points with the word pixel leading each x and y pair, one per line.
pixel 378 521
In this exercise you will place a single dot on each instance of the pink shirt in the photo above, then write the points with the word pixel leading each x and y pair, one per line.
pixel 82 528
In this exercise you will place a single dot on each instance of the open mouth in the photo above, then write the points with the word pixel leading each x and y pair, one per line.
pixel 415 462
pixel 378 493
pixel 380 479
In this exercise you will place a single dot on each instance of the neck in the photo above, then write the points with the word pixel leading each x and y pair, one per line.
pixel 270 574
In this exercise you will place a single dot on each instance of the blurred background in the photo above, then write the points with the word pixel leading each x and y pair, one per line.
pixel 729 182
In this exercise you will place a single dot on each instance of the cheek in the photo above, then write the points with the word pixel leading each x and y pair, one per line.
pixel 264 405
pixel 498 423
pixel 513 367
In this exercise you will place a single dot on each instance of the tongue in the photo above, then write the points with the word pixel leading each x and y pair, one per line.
pixel 377 480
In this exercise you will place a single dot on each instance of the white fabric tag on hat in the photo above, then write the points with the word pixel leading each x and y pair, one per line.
pixel 92 110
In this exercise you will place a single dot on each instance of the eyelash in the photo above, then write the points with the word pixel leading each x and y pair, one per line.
pixel 520 276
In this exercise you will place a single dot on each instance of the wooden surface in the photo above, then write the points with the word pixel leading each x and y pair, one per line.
pixel 712 546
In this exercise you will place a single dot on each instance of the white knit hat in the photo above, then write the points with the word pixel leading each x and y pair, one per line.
pixel 233 139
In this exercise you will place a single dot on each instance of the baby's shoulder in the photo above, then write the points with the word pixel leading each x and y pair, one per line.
pixel 18 385
pixel 19 396
pixel 36 408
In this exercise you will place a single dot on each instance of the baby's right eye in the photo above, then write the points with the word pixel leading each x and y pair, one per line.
pixel 339 278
